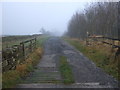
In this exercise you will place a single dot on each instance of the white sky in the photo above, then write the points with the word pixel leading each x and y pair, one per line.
pixel 21 18
pixel 0 18
pixel 28 17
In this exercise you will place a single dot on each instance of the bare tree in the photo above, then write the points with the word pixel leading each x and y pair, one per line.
pixel 99 18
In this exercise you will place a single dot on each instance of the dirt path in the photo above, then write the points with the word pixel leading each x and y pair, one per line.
pixel 47 74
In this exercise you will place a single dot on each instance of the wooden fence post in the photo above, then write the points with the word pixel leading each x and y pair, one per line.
pixel 35 42
pixel 23 49
pixel 17 52
pixel 31 46
pixel 103 39
pixel 112 46
pixel 87 38
pixel 118 43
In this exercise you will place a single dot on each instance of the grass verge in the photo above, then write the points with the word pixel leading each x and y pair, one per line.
pixel 41 40
pixel 66 71
pixel 100 55
pixel 13 77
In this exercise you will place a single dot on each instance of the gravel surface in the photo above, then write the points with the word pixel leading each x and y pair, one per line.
pixel 85 72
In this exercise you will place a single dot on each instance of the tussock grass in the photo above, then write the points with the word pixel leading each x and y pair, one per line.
pixel 13 77
pixel 66 71
pixel 101 54
pixel 10 78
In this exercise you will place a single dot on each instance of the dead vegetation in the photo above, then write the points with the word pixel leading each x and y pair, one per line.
pixel 103 55
pixel 12 77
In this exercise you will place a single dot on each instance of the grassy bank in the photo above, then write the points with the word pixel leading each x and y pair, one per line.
pixel 41 40
pixel 13 77
pixel 100 54
pixel 66 71
pixel 14 40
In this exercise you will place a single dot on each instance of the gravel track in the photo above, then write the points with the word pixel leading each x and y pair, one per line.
pixel 85 72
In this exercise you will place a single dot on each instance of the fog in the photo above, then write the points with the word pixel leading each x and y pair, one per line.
pixel 23 18
pixel 0 19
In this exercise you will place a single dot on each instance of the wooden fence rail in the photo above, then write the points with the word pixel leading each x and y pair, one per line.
pixel 107 40
pixel 17 54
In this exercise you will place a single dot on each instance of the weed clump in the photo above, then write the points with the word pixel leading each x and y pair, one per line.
pixel 66 71
pixel 12 77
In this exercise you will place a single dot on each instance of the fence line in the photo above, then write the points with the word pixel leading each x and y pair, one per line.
pixel 103 40
pixel 17 54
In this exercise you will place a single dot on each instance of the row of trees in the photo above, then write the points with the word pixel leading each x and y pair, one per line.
pixel 44 31
pixel 100 18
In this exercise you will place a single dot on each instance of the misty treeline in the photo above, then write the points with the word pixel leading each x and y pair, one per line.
pixel 100 18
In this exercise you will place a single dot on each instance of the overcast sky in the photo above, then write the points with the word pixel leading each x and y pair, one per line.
pixel 21 18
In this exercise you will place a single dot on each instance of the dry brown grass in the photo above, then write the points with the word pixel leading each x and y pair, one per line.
pixel 27 66
pixel 102 54
pixel 13 77
pixel 112 63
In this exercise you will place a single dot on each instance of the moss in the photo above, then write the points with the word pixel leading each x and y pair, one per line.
pixel 66 71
